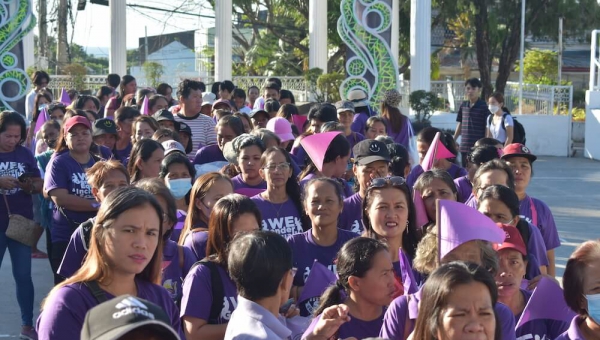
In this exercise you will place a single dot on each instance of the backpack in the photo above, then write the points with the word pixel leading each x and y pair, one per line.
pixel 518 129
pixel 218 293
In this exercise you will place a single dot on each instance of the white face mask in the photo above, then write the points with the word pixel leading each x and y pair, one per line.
pixel 493 108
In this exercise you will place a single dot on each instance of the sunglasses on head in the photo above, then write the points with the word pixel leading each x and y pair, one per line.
pixel 395 181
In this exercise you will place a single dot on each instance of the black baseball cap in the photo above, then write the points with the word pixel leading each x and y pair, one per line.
pixel 183 127
pixel 369 151
pixel 114 318
pixel 104 126
pixel 257 111
pixel 163 115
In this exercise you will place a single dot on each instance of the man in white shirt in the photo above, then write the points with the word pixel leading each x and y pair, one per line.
pixel 40 80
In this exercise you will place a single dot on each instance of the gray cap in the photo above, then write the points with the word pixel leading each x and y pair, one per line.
pixel 344 105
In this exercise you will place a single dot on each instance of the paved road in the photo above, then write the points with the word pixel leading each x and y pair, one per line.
pixel 570 186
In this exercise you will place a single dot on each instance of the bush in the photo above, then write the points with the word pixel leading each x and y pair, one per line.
pixel 578 114
pixel 423 103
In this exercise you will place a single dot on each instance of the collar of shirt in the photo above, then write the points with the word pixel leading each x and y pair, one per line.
pixel 260 314
pixel 574 332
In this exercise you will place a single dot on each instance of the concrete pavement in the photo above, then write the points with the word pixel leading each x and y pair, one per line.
pixel 570 186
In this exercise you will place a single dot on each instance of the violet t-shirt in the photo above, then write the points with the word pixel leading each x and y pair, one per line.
pixel 464 187
pixel 65 311
pixel 238 183
pixel 198 295
pixel 536 246
pixel 539 328
pixel 356 328
pixel 172 272
pixel 76 251
pixel 401 137
pixel 305 251
pixel 14 164
pixel 181 215
pixel 544 221
pixel 123 154
pixel 281 218
pixel 196 242
pixel 354 138
pixel 573 332
pixel 403 312
pixel 64 172
pixel 209 154
pixel 455 171
pixel 359 123
pixel 351 216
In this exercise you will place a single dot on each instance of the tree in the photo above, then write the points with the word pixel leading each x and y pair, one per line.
pixel 77 74
pixel 153 72
pixel 540 67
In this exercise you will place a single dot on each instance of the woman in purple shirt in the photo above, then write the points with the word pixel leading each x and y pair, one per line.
pixel 512 255
pixel 479 156
pixel 323 203
pixel 389 215
pixel 582 292
pixel 501 205
pixel 245 152
pixel 434 185
pixel 15 161
pixel 280 204
pixel 227 129
pixel 205 193
pixel 536 212
pixel 365 285
pixel 124 258
pixel 124 117
pixel 424 140
pixel 399 127
pixel 146 158
pixel 209 294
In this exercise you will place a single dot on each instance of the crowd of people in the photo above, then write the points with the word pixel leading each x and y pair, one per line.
pixel 209 214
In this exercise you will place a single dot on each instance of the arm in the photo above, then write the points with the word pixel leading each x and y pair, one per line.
pixel 458 130
pixel 551 262
pixel 63 199
pixel 109 110
pixel 510 133
pixel 32 186
pixel 488 134
pixel 196 329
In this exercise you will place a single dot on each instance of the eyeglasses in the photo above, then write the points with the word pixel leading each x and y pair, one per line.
pixel 395 181
pixel 280 167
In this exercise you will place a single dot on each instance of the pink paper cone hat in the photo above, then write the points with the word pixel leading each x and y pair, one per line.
pixel 317 281
pixel 421 213
pixel 316 146
pixel 299 121
pixel 458 224
pixel 437 150
pixel 144 109
pixel 64 97
pixel 546 302
pixel 41 119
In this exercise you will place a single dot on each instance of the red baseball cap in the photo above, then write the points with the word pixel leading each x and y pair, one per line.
pixel 513 240
pixel 518 150
pixel 71 122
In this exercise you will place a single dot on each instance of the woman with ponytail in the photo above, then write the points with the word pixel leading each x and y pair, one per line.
pixel 365 285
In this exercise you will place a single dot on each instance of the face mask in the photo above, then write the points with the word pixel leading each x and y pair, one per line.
pixel 493 108
pixel 51 144
pixel 179 187
pixel 594 307
pixel 43 106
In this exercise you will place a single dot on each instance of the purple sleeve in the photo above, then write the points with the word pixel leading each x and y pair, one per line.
pixel 189 258
pixel 311 327
pixel 199 158
pixel 395 319
pixel 547 225
pixel 197 293
pixel 413 176
pixel 171 309
pixel 464 187
pixel 74 255
pixel 507 321
pixel 359 123
pixel 57 176
pixel 63 316
pixel 536 245
pixel 196 242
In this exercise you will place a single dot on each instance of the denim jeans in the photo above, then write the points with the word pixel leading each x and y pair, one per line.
pixel 20 256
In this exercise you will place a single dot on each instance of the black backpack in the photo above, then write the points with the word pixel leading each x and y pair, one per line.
pixel 518 129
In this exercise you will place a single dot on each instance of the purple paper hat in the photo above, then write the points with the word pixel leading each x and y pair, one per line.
pixel 458 224
pixel 317 281
pixel 408 278
pixel 41 119
pixel 249 192
pixel 144 109
pixel 316 146
pixel 421 213
pixel 546 302
pixel 64 97
pixel 436 151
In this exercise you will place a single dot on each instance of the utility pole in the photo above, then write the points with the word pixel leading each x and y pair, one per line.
pixel 145 44
pixel 61 48
pixel 560 49
pixel 43 28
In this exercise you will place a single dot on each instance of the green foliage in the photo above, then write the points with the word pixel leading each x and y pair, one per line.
pixel 77 73
pixel 540 67
pixel 423 103
pixel 329 84
pixel 153 72
pixel 578 114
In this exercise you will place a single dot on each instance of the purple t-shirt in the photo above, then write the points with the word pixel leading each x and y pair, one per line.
pixel 282 218
pixel 455 171
pixel 351 216
pixel 353 138
pixel 464 187
pixel 536 246
pixel 209 154
pixel 356 328
pixel 75 253
pixel 65 311
pixel 64 172
pixel 306 251
pixel 14 164
pixel 123 154
pixel 545 220
pixel 300 155
pixel 238 183
pixel 197 295
pixel 573 332
pixel 196 242
pixel 403 312
pixel 181 215
pixel 403 136
pixel 539 328
pixel 105 152
pixel 172 272
pixel 359 123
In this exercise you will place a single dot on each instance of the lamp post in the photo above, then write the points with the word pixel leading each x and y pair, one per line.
pixel 522 53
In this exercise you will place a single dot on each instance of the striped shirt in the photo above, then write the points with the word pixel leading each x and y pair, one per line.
pixel 474 121
pixel 203 130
